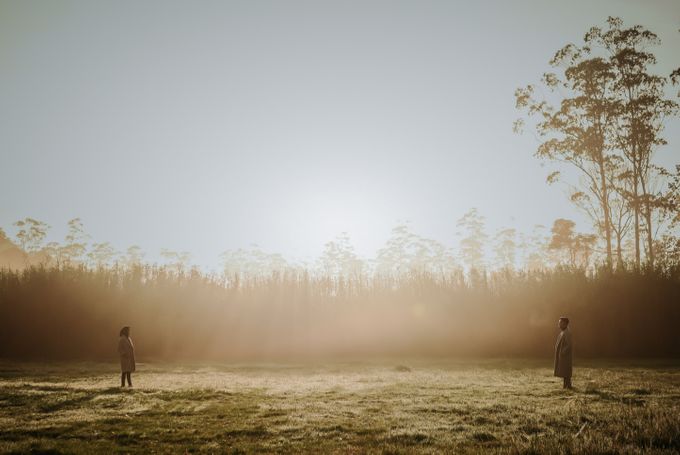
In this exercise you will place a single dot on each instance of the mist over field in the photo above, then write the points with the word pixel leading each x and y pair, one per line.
pixel 73 313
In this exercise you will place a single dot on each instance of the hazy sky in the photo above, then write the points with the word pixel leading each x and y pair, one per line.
pixel 206 126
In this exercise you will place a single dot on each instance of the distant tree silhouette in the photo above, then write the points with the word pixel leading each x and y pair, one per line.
pixel 406 252
pixel 76 241
pixel 577 247
pixel 505 248
pixel 179 261
pixel 339 258
pixel 472 244
pixel 534 248
pixel 30 234
pixel 101 254
pixel 251 262
pixel 134 255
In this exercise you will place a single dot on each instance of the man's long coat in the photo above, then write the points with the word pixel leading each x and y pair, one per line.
pixel 563 352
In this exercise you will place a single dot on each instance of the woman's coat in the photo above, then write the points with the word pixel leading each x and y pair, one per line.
pixel 563 354
pixel 126 350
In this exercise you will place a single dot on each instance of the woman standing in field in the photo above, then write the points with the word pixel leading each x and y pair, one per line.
pixel 563 351
pixel 126 350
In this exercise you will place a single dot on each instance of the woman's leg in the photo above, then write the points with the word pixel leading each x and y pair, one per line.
pixel 129 379
pixel 122 379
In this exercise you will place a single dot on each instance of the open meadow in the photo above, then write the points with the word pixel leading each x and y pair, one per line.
pixel 437 406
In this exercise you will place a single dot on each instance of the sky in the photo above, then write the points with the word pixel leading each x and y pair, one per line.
pixel 207 126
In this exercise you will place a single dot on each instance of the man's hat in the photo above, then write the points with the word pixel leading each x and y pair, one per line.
pixel 564 318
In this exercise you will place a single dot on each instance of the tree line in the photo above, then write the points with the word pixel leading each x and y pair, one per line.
pixel 404 252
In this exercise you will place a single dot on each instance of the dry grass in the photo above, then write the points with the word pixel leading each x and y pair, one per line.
pixel 507 406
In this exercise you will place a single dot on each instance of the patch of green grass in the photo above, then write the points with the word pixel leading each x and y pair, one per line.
pixel 438 407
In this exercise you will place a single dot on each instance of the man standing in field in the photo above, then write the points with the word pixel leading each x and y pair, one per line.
pixel 563 353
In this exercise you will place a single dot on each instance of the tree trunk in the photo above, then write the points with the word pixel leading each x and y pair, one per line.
pixel 632 137
pixel 636 210
pixel 650 237
pixel 648 222
pixel 605 209
pixel 619 251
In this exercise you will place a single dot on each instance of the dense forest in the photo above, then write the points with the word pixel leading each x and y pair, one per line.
pixel 598 119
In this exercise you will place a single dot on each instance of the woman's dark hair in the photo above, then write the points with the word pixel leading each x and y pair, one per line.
pixel 125 331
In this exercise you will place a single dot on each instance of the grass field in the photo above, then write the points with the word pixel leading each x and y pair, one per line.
pixel 506 406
